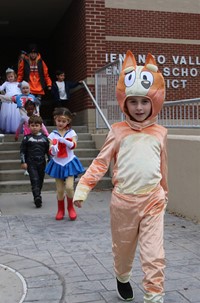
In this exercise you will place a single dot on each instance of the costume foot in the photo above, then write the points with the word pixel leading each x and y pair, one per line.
pixel 153 298
pixel 125 291
pixel 61 210
pixel 71 210
pixel 38 202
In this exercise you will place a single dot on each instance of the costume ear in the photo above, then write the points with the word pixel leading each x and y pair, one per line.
pixel 129 60
pixel 150 63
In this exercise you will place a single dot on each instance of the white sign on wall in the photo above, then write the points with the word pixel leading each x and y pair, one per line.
pixel 180 67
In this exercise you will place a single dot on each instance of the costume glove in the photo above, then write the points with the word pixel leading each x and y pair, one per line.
pixel 62 140
pixel 54 150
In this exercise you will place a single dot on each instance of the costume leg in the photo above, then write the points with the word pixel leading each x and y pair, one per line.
pixel 151 247
pixel 69 184
pixel 35 183
pixel 60 186
pixel 41 172
pixel 124 229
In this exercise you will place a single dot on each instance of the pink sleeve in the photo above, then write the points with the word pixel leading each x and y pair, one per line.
pixel 44 130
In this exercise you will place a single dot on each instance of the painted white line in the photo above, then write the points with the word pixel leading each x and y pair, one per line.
pixel 22 280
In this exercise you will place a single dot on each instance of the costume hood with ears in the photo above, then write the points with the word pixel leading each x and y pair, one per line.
pixel 144 81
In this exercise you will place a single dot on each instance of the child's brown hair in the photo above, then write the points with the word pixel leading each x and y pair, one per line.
pixel 34 119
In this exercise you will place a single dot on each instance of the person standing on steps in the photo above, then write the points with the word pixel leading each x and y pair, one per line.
pixel 34 70
pixel 64 165
pixel 30 108
pixel 61 89
pixel 9 113
pixel 138 148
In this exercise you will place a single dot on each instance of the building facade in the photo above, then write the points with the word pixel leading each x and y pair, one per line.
pixel 96 32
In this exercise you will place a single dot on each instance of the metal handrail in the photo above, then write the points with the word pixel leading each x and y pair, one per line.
pixel 184 101
pixel 96 105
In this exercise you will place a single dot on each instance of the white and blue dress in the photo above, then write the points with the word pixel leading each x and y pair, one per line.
pixel 64 164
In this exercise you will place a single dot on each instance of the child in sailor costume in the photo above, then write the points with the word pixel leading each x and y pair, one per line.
pixel 64 165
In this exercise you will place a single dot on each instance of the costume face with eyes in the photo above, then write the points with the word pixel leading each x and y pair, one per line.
pixel 144 81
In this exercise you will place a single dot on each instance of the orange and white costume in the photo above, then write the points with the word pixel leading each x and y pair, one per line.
pixel 139 178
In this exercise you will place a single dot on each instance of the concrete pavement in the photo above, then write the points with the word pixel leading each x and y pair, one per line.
pixel 43 260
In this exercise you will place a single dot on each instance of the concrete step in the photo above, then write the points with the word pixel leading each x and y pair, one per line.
pixel 15 164
pixel 84 152
pixel 14 174
pixel 11 138
pixel 18 174
pixel 12 178
pixel 49 185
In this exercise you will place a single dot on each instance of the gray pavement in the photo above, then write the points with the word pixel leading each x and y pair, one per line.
pixel 43 260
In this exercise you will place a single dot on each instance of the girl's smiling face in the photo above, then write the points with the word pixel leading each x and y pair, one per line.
pixel 25 90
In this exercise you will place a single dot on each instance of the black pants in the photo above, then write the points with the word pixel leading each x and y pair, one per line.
pixel 36 172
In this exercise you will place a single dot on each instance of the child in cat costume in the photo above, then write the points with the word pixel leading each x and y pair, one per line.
pixel 139 197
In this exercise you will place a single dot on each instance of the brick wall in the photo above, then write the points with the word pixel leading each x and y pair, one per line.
pixel 160 25
pixel 81 45
pixel 89 31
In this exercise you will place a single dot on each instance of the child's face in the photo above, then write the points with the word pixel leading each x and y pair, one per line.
pixel 25 90
pixel 35 128
pixel 62 122
pixel 11 77
pixel 139 108
pixel 61 77
pixel 30 110
pixel 33 56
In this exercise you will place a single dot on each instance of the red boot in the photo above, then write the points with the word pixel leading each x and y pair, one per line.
pixel 71 210
pixel 61 210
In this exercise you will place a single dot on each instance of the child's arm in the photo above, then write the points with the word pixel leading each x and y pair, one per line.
pixel 23 151
pixel 71 143
pixel 20 74
pixel 3 87
pixel 18 131
pixel 5 98
pixel 164 168
pixel 53 149
pixel 96 171
pixel 44 130
pixel 47 150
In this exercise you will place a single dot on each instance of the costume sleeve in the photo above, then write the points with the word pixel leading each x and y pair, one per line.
pixel 54 91
pixel 18 131
pixel 5 98
pixel 72 84
pixel 44 130
pixel 23 149
pixel 20 74
pixel 46 75
pixel 97 169
pixel 47 149
pixel 164 168
pixel 3 86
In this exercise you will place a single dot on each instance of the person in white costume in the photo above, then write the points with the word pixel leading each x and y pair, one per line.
pixel 9 113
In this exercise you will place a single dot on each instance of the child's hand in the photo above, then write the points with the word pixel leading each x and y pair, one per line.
pixel 24 166
pixel 78 203
pixel 54 150
pixel 16 138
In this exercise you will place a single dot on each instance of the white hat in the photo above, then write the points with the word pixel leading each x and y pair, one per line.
pixel 9 70
pixel 23 83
